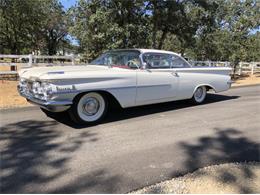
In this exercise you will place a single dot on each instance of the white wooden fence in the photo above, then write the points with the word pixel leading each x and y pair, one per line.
pixel 242 68
pixel 25 61
pixel 210 63
pixel 14 62
pixel 248 67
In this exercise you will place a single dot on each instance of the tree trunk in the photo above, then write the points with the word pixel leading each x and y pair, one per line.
pixel 162 39
pixel 154 36
pixel 155 25
pixel 182 51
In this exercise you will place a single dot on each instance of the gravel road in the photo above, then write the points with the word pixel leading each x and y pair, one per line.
pixel 131 149
pixel 217 179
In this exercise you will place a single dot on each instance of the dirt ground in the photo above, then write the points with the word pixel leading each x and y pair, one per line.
pixel 218 179
pixel 8 68
pixel 247 80
pixel 9 96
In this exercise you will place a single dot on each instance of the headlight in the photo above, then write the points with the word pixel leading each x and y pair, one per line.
pixel 41 90
pixel 22 84
pixel 46 89
pixel 35 87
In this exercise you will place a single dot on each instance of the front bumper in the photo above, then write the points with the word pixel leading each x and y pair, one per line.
pixel 51 105
pixel 230 83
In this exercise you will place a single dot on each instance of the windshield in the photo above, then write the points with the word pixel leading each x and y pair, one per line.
pixel 122 59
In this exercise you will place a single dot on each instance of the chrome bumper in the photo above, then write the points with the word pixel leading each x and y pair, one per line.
pixel 51 105
pixel 230 83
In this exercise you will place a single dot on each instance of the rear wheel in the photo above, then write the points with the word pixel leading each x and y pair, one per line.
pixel 88 108
pixel 199 95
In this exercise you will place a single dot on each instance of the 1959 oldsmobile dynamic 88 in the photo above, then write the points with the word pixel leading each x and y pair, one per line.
pixel 132 77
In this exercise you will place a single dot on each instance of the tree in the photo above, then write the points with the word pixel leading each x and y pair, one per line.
pixel 55 26
pixel 101 25
pixel 180 20
pixel 228 38
pixel 20 25
pixel 31 25
pixel 198 29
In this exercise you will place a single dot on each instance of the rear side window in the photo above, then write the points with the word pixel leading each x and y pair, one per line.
pixel 177 62
pixel 161 61
pixel 157 60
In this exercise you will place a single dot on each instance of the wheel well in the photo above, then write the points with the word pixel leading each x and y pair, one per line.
pixel 112 101
pixel 209 88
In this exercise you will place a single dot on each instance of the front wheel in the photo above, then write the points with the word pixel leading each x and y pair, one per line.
pixel 199 95
pixel 88 108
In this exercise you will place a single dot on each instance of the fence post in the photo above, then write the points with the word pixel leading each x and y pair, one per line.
pixel 252 68
pixel 240 68
pixel 13 67
pixel 30 60
pixel 72 59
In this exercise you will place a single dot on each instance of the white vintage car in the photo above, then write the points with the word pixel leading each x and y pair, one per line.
pixel 131 77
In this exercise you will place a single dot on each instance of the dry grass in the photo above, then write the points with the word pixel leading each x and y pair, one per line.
pixel 247 80
pixel 5 68
pixel 8 68
pixel 9 97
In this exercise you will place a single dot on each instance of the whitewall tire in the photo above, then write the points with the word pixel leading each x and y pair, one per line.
pixel 88 108
pixel 199 95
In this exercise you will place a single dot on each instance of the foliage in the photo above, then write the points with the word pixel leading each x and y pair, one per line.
pixel 55 26
pixel 100 25
pixel 230 37
pixel 31 25
pixel 18 19
pixel 198 29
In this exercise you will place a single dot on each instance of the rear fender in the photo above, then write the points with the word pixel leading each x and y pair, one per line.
pixel 208 86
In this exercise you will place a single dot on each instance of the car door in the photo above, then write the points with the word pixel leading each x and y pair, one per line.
pixel 158 82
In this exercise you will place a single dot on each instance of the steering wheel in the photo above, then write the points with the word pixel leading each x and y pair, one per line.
pixel 132 64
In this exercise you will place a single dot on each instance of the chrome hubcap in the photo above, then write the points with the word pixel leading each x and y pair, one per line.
pixel 91 106
pixel 199 92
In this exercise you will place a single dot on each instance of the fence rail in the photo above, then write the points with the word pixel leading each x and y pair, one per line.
pixel 15 62
pixel 210 63
pixel 10 64
pixel 248 67
pixel 242 68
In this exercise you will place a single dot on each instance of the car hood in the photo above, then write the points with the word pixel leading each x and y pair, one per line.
pixel 59 71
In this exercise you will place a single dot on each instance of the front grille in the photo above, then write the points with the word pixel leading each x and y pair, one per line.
pixel 29 86
pixel 26 87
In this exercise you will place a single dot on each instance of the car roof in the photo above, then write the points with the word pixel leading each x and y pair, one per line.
pixel 148 51
pixel 157 51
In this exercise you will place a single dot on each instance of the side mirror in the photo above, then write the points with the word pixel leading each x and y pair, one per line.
pixel 145 65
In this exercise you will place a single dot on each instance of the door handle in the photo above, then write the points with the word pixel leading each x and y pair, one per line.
pixel 175 74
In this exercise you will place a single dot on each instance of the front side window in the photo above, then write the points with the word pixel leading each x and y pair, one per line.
pixel 161 61
pixel 122 59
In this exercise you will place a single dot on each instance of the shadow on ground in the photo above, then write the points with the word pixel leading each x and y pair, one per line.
pixel 33 156
pixel 226 146
pixel 122 114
